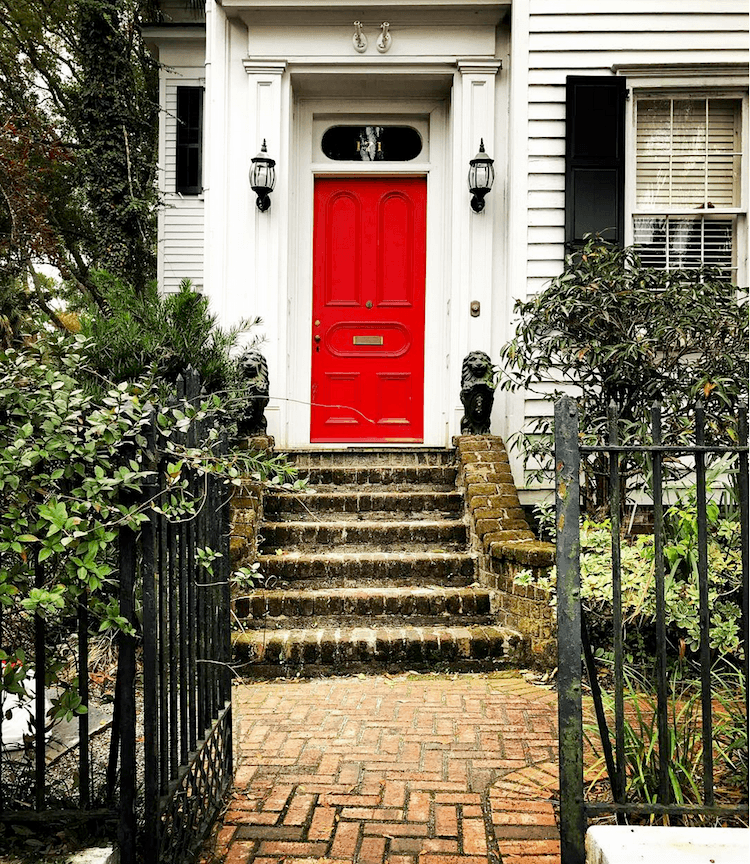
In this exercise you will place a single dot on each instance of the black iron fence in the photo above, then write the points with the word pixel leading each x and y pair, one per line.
pixel 170 751
pixel 574 646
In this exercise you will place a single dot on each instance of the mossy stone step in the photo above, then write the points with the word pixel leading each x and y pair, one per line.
pixel 346 647
pixel 336 500
pixel 305 459
pixel 375 534
pixel 341 567
pixel 366 602
pixel 443 476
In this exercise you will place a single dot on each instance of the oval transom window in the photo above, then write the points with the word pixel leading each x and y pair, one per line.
pixel 371 143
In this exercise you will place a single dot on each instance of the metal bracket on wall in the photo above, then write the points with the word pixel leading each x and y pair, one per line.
pixel 384 40
pixel 359 40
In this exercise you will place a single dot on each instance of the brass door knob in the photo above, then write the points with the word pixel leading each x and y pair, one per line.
pixel 317 338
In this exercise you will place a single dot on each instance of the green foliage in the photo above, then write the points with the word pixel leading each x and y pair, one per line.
pixel 624 334
pixel 78 132
pixel 144 334
pixel 685 741
pixel 73 466
pixel 681 585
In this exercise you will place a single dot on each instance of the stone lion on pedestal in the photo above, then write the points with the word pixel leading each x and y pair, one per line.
pixel 254 371
pixel 477 393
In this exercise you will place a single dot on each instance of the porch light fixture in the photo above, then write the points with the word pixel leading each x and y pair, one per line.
pixel 481 177
pixel 263 178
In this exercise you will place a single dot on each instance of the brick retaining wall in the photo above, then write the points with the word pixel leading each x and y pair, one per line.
pixel 247 509
pixel 505 544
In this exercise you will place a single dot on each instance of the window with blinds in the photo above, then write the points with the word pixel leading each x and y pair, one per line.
pixel 688 156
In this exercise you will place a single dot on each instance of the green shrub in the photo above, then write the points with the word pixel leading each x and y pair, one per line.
pixel 157 336
pixel 684 739
pixel 681 584
pixel 618 333
pixel 70 461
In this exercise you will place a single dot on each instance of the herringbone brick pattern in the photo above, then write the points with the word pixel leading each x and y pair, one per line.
pixel 429 769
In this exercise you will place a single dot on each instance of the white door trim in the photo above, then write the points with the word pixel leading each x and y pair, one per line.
pixel 306 167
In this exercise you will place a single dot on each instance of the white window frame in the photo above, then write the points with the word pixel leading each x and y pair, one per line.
pixel 710 80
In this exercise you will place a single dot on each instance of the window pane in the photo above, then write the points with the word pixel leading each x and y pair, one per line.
pixel 687 153
pixel 676 242
pixel 188 143
pixel 371 143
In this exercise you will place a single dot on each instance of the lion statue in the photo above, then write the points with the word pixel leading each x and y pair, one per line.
pixel 254 372
pixel 477 393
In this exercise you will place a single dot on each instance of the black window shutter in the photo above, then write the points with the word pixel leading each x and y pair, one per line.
pixel 594 158
pixel 189 140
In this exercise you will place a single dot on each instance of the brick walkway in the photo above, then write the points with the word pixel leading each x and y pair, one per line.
pixel 407 770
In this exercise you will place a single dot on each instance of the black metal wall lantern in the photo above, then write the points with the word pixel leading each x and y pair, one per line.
pixel 481 177
pixel 263 178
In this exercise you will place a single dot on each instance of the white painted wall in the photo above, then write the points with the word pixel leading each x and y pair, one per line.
pixel 553 39
pixel 267 65
pixel 180 231
pixel 181 223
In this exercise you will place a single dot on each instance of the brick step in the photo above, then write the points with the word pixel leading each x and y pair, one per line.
pixel 409 502
pixel 370 534
pixel 343 568
pixel 353 622
pixel 352 647
pixel 365 456
pixel 366 602
pixel 442 477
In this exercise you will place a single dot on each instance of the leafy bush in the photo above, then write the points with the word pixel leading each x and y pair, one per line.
pixel 681 584
pixel 157 336
pixel 623 334
pixel 71 466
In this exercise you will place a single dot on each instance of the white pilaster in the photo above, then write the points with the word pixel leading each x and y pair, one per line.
pixel 473 119
pixel 214 159
pixel 513 405
pixel 261 266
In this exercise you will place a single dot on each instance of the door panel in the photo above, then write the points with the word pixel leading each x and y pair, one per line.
pixel 368 309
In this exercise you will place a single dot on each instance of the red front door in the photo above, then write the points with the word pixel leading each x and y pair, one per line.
pixel 368 309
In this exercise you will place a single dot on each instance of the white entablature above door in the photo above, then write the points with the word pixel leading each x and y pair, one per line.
pixel 326 12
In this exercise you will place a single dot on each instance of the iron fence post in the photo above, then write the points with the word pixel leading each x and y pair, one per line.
pixel 150 661
pixel 127 830
pixel 567 491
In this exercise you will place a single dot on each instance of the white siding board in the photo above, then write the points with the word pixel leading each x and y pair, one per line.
pixel 546 235
pixel 547 217
pixel 547 111
pixel 557 76
pixel 591 59
pixel 650 7
pixel 704 22
pixel 547 129
pixel 548 182
pixel 550 165
pixel 548 252
pixel 544 269
pixel 182 235
pixel 549 94
pixel 547 147
pixel 564 43
pixel 546 199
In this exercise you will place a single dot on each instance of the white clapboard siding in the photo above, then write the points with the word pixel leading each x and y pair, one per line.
pixel 589 37
pixel 181 224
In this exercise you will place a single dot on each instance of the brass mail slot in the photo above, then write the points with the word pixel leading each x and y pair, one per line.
pixel 368 340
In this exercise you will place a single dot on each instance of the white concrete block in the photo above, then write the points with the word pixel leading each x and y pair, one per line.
pixel 644 844
pixel 98 855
